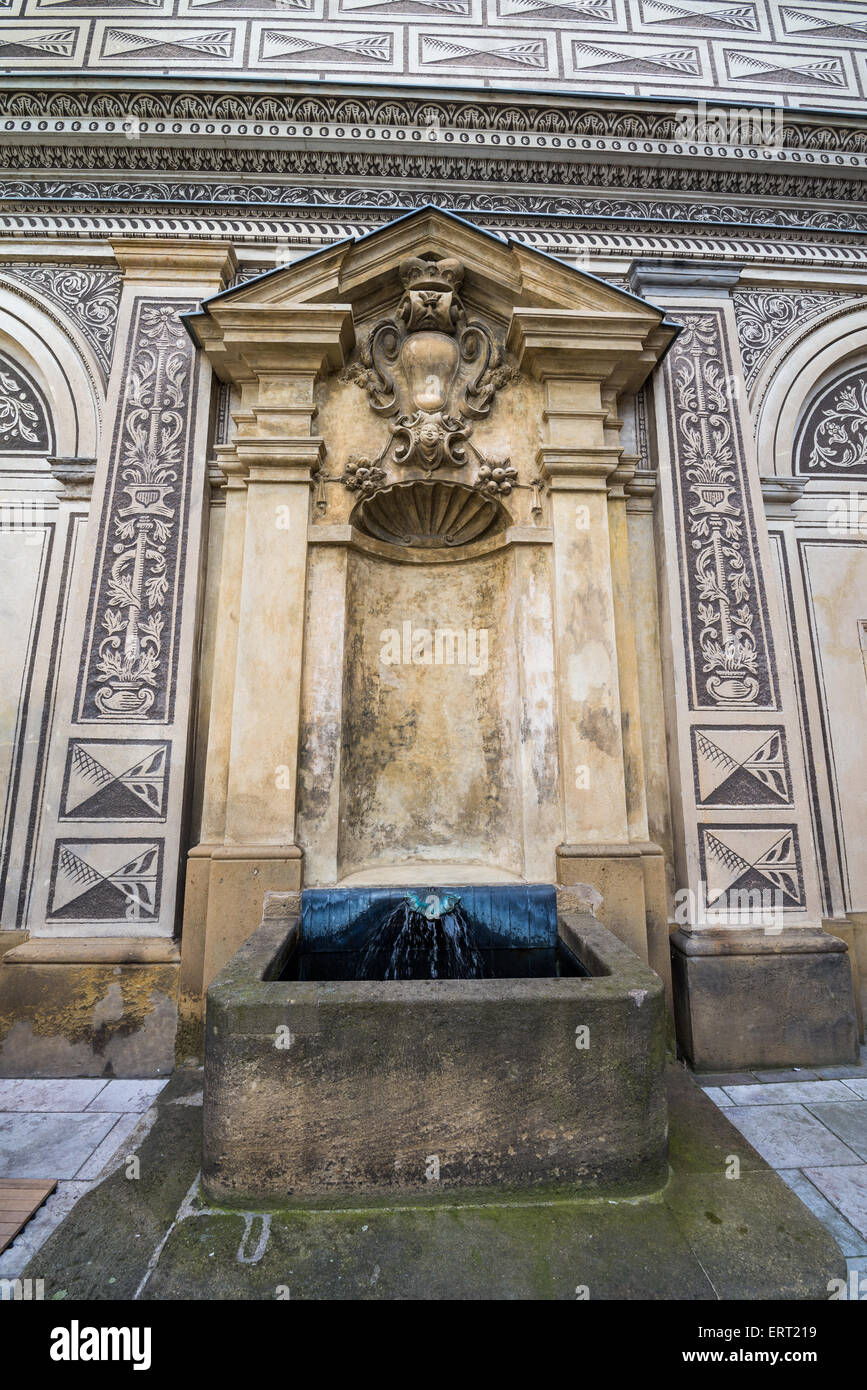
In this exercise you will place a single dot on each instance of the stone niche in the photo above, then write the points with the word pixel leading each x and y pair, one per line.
pixel 412 750
pixel 423 617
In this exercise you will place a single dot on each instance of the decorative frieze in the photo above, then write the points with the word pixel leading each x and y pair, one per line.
pixel 452 164
pixel 234 198
pixel 109 104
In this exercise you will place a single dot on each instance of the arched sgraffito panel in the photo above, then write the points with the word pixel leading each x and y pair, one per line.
pixel 832 440
pixel 25 424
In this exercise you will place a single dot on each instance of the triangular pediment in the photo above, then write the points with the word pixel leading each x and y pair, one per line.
pixel 500 274
pixel 359 282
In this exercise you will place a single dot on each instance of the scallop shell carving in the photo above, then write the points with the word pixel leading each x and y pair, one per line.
pixel 428 515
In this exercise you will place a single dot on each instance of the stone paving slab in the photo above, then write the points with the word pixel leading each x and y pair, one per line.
pixel 718 1096
pixel 53 1095
pixel 793 1074
pixel 49 1146
pixel 858 1265
pixel 851 1242
pixel 124 1127
pixel 724 1078
pixel 788 1093
pixel 846 1119
pixel 846 1189
pixel 124 1096
pixel 789 1136
pixel 858 1087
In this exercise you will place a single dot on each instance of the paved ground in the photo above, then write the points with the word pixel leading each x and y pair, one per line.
pixel 811 1128
pixel 146 1231
pixel 75 1131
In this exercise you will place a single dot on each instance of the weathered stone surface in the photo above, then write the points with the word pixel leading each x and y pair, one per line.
pixel 69 1019
pixel 703 1239
pixel 738 1011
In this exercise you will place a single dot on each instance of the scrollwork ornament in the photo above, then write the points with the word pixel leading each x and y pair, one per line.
pixel 428 370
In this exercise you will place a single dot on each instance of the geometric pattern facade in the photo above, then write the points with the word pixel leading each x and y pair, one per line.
pixel 805 54
pixel 115 780
pixel 741 766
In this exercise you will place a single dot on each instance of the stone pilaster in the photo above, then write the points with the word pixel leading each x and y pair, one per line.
pixel 112 822
pixel 757 980
pixel 247 842
pixel 96 984
pixel 604 816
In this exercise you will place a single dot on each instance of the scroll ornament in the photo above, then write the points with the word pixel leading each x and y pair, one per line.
pixel 431 374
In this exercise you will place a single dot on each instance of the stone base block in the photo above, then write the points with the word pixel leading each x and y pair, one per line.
pixel 853 930
pixel 239 879
pixel 746 1000
pixel 225 888
pixel 97 1007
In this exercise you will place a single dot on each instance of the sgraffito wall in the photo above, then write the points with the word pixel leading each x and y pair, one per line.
pixel 804 54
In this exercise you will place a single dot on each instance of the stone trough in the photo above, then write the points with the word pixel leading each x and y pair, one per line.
pixel 548 1073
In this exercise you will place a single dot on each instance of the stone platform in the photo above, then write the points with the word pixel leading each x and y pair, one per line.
pixel 703 1237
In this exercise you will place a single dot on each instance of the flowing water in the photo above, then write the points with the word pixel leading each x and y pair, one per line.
pixel 423 939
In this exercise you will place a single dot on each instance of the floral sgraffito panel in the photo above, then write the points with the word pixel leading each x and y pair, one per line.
pixel 729 653
pixel 88 295
pixel 25 427
pixel 129 665
pixel 832 441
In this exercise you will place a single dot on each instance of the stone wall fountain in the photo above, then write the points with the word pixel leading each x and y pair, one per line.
pixel 431 416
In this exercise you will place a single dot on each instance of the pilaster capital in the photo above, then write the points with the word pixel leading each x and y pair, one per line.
pixel 658 279
pixel 280 460
pixel 780 494
pixel 621 477
pixel 616 349
pixel 570 469
pixel 640 491
pixel 233 470
pixel 246 342
pixel 160 260
pixel 75 476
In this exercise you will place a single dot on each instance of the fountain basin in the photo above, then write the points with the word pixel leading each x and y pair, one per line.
pixel 327 1090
